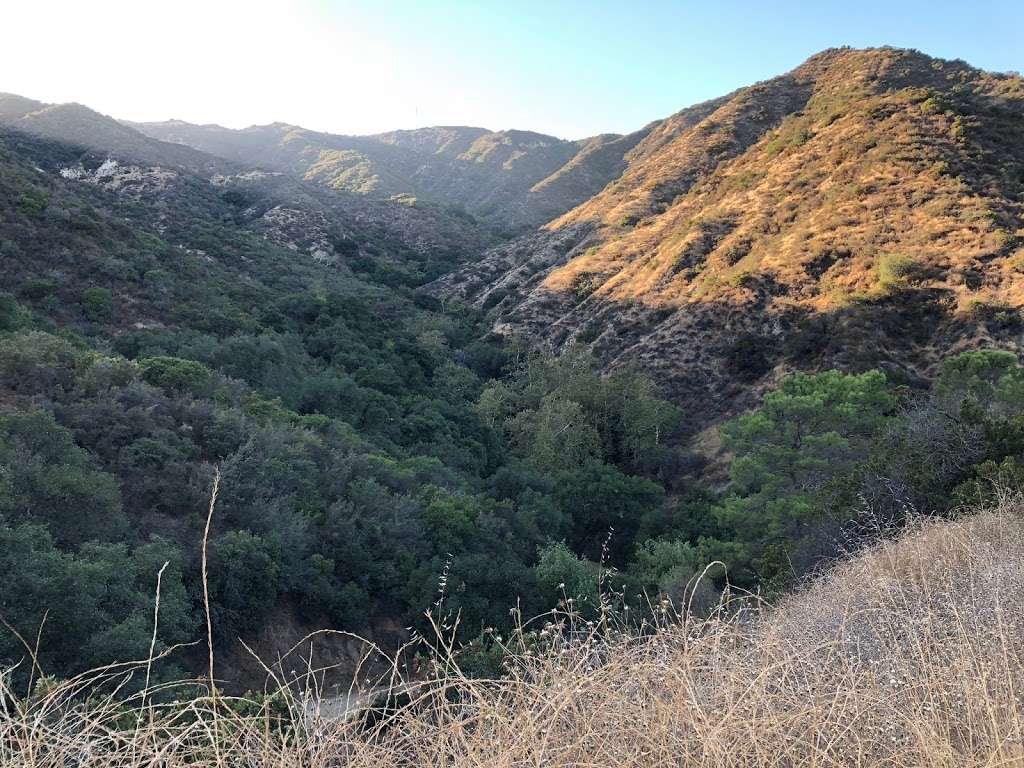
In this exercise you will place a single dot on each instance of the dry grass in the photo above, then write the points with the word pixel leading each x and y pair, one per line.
pixel 909 654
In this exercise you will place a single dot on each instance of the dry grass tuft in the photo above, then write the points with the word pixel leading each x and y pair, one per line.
pixel 910 654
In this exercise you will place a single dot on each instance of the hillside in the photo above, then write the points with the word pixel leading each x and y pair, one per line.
pixel 907 654
pixel 158 324
pixel 332 227
pixel 79 126
pixel 511 179
pixel 776 325
pixel 864 209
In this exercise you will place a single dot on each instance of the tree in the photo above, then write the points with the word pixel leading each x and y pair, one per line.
pixel 47 479
pixel 606 508
pixel 560 410
pixel 790 457
pixel 556 435
pixel 561 574
pixel 37 363
pixel 11 314
pixel 243 583
pixel 97 304
pixel 645 421
pixel 97 603
pixel 990 380
pixel 665 567
pixel 660 563
pixel 450 518
pixel 175 374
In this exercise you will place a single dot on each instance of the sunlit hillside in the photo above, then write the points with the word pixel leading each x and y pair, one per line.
pixel 865 195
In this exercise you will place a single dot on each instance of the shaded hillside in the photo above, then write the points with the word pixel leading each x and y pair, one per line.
pixel 864 209
pixel 156 324
pixel 511 179
pixel 165 246
pixel 329 226
pixel 77 125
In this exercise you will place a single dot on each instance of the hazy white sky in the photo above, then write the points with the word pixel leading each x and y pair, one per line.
pixel 336 66
pixel 237 62
pixel 568 67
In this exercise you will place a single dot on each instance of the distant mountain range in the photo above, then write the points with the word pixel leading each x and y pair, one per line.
pixel 332 226
pixel 510 179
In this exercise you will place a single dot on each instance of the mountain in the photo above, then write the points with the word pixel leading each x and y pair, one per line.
pixel 77 125
pixel 513 180
pixel 327 225
pixel 366 373
pixel 864 209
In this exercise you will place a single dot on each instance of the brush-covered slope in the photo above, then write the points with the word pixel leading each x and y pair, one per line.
pixel 863 209
pixel 326 225
pixel 511 179
pixel 161 248
pixel 152 328
pixel 80 126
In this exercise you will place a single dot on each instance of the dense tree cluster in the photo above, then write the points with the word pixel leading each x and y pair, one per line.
pixel 831 459
pixel 370 441
pixel 364 448
pixel 359 463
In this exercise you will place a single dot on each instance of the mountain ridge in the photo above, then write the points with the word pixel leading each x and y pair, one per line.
pixel 91 148
pixel 512 179
pixel 771 231
pixel 716 248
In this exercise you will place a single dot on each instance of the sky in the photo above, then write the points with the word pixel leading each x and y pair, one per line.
pixel 565 67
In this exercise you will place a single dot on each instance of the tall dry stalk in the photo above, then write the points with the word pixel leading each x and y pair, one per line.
pixel 206 583
pixel 156 624
pixel 206 609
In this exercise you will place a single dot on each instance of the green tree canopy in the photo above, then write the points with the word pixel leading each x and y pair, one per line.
pixel 791 453
pixel 46 478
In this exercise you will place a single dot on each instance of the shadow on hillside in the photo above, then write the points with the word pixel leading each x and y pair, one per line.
pixel 716 358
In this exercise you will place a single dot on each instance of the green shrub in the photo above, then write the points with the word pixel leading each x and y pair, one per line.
pixel 11 314
pixel 173 373
pixel 97 304
pixel 37 288
pixel 743 279
pixel 895 271
pixel 585 284
pixel 934 105
pixel 1007 242
pixel 33 202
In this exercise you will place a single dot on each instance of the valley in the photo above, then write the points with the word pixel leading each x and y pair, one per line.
pixel 447 371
